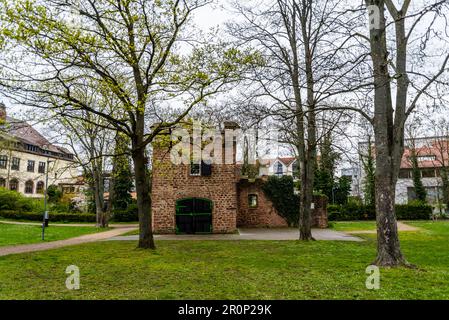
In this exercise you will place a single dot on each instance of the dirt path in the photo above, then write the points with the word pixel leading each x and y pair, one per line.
pixel 401 227
pixel 4 251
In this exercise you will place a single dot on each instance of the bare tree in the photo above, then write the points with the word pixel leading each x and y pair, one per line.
pixel 305 60
pixel 391 72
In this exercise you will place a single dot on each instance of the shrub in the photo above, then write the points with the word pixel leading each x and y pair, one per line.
pixel 129 215
pixel 12 200
pixel 415 211
pixel 350 211
pixel 353 211
pixel 54 217
pixel 54 194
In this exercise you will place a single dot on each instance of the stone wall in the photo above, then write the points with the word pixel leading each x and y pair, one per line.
pixel 319 213
pixel 264 215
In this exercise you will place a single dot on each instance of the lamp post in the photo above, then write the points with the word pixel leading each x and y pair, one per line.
pixel 45 217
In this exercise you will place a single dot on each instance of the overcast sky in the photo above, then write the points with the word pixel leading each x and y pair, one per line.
pixel 208 17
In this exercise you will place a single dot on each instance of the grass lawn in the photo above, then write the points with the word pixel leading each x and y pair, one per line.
pixel 14 234
pixel 353 225
pixel 232 270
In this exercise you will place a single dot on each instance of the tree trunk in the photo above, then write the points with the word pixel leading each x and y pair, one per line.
pixel 388 248
pixel 445 182
pixel 146 240
pixel 389 141
pixel 101 216
pixel 305 211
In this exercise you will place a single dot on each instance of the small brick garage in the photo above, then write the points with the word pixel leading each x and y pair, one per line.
pixel 211 198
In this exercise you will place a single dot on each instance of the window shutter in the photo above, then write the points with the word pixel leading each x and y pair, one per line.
pixel 206 169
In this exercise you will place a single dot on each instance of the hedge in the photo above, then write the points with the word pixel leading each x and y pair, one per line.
pixel 53 217
pixel 361 212
pixel 119 216
pixel 125 216
pixel 413 212
pixel 350 212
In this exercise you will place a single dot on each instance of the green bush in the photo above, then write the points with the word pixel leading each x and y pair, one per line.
pixel 54 217
pixel 54 194
pixel 12 200
pixel 353 211
pixel 350 211
pixel 129 215
pixel 415 211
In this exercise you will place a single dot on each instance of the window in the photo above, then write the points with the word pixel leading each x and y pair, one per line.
pixel 252 200
pixel 434 194
pixel 15 165
pixel 40 187
pixel 3 162
pixel 30 166
pixel 195 169
pixel 279 169
pixel 29 187
pixel 426 158
pixel 14 185
pixel 411 194
pixel 404 174
pixel 295 169
pixel 41 168
pixel 201 169
pixel 2 183
pixel 66 190
pixel 206 169
pixel 428 173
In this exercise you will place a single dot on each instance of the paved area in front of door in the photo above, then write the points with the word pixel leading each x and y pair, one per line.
pixel 254 234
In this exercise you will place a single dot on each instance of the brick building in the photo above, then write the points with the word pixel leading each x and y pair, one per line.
pixel 203 198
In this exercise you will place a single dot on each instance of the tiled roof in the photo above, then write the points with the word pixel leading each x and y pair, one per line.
pixel 24 132
pixel 436 149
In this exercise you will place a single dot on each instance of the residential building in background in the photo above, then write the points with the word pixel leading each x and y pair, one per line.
pixel 353 174
pixel 25 157
pixel 280 166
pixel 432 155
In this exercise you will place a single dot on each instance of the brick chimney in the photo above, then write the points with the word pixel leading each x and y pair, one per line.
pixel 2 111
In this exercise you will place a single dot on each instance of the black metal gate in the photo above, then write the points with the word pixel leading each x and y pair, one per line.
pixel 193 216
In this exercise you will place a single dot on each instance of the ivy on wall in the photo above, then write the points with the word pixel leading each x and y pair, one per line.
pixel 280 190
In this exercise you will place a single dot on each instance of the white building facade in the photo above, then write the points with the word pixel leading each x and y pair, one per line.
pixel 26 157
pixel 281 166
pixel 432 154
